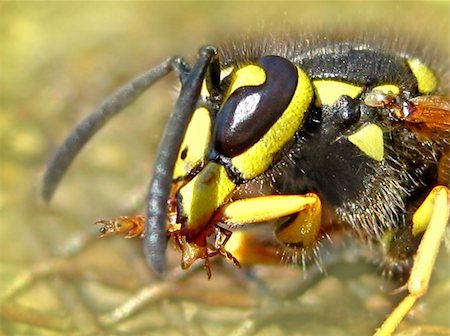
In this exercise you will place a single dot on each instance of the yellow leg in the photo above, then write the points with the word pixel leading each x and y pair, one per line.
pixel 431 217
pixel 251 248
pixel 302 230
pixel 265 208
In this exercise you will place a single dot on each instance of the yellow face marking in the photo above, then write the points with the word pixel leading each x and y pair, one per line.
pixel 369 139
pixel 426 79
pixel 258 158
pixel 328 91
pixel 195 143
pixel 387 88
pixel 204 194
pixel 249 75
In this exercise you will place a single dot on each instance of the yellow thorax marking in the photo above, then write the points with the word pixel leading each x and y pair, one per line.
pixel 369 139
pixel 426 79
pixel 328 91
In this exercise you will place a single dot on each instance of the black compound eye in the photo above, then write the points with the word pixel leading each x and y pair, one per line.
pixel 346 111
pixel 250 111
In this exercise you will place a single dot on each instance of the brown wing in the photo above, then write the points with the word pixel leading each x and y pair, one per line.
pixel 429 116
pixel 433 111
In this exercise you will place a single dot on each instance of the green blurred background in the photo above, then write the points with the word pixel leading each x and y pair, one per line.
pixel 58 61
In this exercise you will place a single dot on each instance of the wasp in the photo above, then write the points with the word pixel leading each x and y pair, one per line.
pixel 311 141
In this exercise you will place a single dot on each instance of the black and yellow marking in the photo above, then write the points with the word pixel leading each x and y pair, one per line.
pixel 195 146
pixel 321 106
pixel 249 111
pixel 359 65
pixel 328 91
pixel 369 139
pixel 251 126
pixel 257 159
pixel 426 79
pixel 203 195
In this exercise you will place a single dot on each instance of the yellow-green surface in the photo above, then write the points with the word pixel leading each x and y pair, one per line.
pixel 57 62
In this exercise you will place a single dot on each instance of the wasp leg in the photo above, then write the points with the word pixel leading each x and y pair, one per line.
pixel 221 239
pixel 302 231
pixel 113 105
pixel 251 248
pixel 431 218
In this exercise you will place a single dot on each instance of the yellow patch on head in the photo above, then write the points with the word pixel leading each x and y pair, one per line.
pixel 328 91
pixel 369 139
pixel 426 79
pixel 195 143
pixel 249 75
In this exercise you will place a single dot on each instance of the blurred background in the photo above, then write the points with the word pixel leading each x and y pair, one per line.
pixel 58 61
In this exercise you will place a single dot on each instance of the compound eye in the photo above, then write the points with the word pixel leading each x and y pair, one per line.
pixel 258 97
